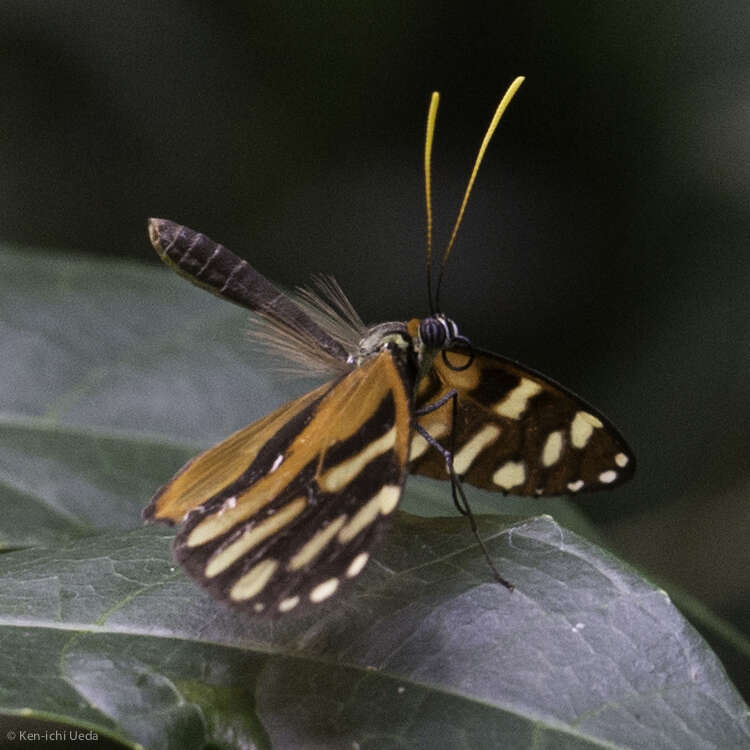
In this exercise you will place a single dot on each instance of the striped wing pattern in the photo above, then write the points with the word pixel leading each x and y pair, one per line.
pixel 284 513
pixel 516 431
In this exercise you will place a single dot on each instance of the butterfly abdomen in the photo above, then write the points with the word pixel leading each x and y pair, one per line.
pixel 214 267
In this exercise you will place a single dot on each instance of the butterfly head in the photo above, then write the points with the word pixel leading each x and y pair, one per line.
pixel 438 333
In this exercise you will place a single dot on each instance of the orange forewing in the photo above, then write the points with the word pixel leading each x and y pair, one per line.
pixel 209 472
pixel 275 489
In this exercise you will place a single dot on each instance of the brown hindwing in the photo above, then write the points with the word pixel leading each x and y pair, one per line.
pixel 517 431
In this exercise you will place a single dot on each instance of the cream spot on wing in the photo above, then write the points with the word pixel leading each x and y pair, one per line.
pixel 222 559
pixel 323 590
pixel 510 474
pixel 356 565
pixel 315 545
pixel 582 427
pixel 594 420
pixel 276 463
pixel 436 427
pixel 286 604
pixel 341 474
pixel 418 446
pixel 608 476
pixel 259 606
pixel 552 448
pixel 253 581
pixel 622 460
pixel 575 486
pixel 389 497
pixel 514 403
pixel 465 457
pixel 218 523
pixel 383 502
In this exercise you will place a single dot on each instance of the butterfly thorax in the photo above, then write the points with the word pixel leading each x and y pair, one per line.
pixel 393 335
pixel 422 338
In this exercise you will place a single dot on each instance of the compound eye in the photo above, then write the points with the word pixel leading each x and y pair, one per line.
pixel 432 332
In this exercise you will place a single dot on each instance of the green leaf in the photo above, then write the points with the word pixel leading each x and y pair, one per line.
pixel 426 651
pixel 59 482
pixel 110 377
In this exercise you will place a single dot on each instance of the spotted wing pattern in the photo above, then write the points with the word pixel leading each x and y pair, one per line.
pixel 282 514
pixel 516 431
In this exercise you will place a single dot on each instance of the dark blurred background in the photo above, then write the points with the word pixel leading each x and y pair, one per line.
pixel 606 243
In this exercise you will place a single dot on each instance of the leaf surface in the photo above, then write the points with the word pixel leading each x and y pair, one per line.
pixel 112 375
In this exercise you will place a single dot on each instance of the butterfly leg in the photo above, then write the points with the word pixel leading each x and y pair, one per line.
pixel 447 455
pixel 457 490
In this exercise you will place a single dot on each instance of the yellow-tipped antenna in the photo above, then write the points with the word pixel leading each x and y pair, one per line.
pixel 504 102
pixel 429 136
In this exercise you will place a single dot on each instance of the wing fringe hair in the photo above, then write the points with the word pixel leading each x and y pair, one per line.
pixel 293 350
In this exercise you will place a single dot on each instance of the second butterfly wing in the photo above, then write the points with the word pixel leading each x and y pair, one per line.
pixel 516 431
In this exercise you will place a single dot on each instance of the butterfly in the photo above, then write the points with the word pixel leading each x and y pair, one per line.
pixel 285 513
